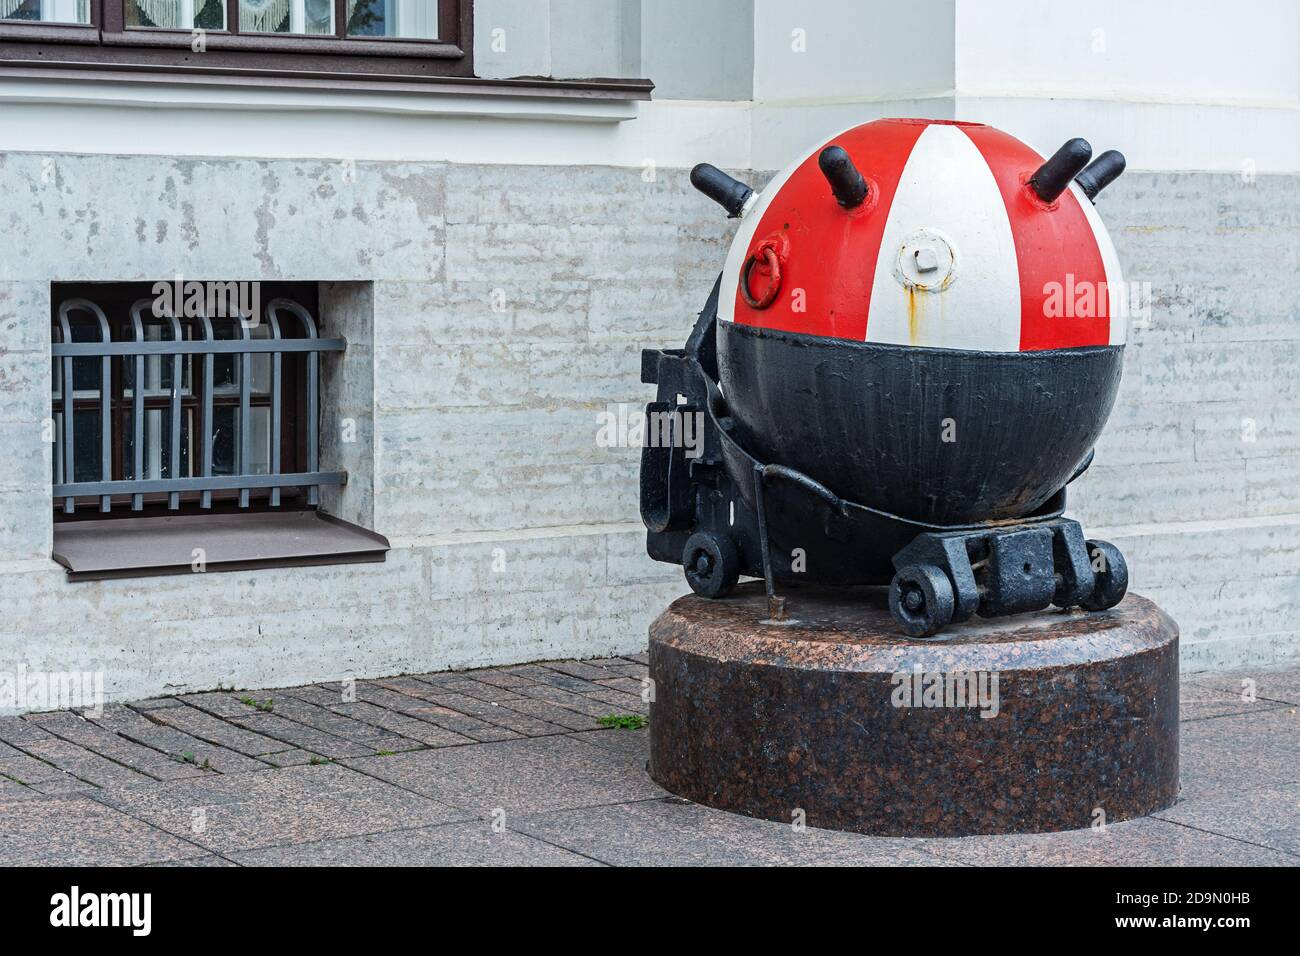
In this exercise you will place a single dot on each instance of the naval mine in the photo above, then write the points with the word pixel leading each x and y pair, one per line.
pixel 913 346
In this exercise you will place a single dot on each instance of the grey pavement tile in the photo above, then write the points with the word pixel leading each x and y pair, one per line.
pixel 66 784
pixel 462 704
pixel 157 703
pixel 339 725
pixel 410 686
pixel 636 671
pixel 619 701
pixel 632 744
pixel 225 703
pixel 678 833
pixel 301 737
pixel 1227 754
pixel 1282 685
pixel 453 844
pixel 642 658
pixel 18 766
pixel 478 730
pixel 412 728
pixel 519 776
pixel 83 764
pixel 207 860
pixel 468 687
pixel 578 669
pixel 1147 842
pixel 175 743
pixel 579 703
pixel 295 758
pixel 554 714
pixel 501 679
pixel 389 698
pixel 545 675
pixel 18 731
pixel 524 724
pixel 12 790
pixel 78 831
pixel 220 732
pixel 82 732
pixel 277 807
pixel 1205 696
pixel 322 695
pixel 628 685
pixel 1268 816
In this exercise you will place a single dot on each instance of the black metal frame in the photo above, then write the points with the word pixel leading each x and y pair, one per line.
pixel 724 513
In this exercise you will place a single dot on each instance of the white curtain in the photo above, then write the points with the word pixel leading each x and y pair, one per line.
pixel 167 13
pixel 262 16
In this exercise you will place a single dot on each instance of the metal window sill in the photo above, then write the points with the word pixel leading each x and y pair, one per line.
pixel 165 545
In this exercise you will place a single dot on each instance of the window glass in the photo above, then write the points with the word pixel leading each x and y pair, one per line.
pixel 310 17
pixel 404 19
pixel 176 14
pixel 46 11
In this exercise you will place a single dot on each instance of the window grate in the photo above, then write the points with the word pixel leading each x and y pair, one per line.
pixel 202 479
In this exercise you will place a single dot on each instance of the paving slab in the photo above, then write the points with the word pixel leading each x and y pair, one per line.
pixel 84 733
pixel 78 831
pixel 553 714
pixel 632 744
pixel 1147 842
pixel 1266 816
pixel 26 769
pixel 578 669
pixel 502 679
pixel 1202 697
pixel 336 724
pixel 677 833
pixel 217 731
pixel 175 743
pixel 278 807
pixel 412 728
pixel 1266 683
pixel 1248 751
pixel 518 776
pixel 453 844
pixel 209 859
pixel 292 734
pixel 11 790
pixel 83 764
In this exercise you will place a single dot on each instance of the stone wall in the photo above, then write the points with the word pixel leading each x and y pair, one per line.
pixel 494 312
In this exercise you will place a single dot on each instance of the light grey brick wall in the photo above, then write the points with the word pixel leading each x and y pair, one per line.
pixel 494 312
pixel 1197 476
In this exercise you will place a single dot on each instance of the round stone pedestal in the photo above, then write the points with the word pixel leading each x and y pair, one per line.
pixel 1047 721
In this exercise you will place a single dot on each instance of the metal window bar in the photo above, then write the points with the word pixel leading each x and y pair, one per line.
pixel 209 347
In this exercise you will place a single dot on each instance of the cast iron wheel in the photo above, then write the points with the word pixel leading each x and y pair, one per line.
pixel 921 600
pixel 711 564
pixel 1111 572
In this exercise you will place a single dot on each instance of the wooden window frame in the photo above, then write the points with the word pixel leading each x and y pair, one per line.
pixel 108 44
pixel 285 61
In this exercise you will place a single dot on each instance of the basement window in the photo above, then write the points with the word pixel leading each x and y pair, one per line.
pixel 190 414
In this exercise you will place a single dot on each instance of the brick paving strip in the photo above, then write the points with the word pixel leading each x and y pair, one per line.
pixel 510 765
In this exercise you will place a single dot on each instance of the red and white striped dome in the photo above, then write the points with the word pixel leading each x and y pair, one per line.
pixel 951 249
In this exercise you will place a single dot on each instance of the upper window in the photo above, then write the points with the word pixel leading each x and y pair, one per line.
pixel 372 39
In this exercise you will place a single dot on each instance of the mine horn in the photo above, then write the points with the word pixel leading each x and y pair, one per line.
pixel 1053 177
pixel 730 194
pixel 1101 172
pixel 847 184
